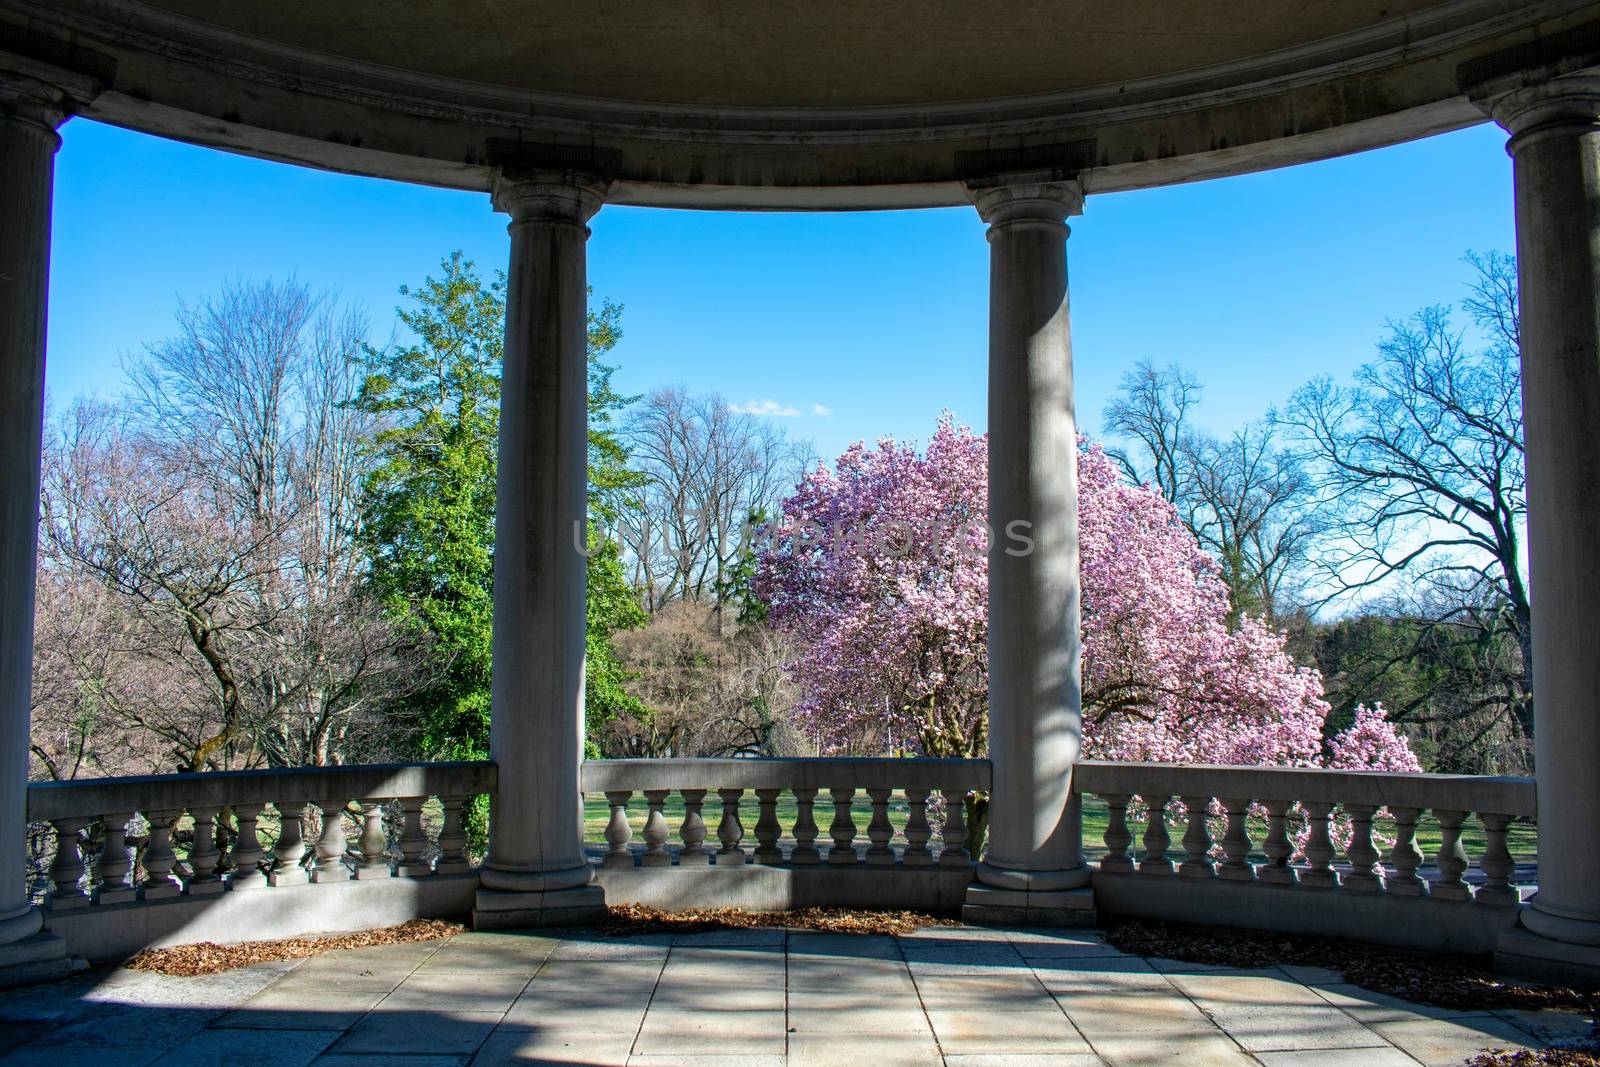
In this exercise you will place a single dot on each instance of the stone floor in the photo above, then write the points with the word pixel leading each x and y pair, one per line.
pixel 963 996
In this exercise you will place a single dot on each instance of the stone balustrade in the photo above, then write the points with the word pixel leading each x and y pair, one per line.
pixel 369 826
pixel 1316 830
pixel 807 861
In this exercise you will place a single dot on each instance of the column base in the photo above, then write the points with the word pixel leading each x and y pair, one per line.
pixel 1524 953
pixel 1033 881
pixel 497 909
pixel 41 957
pixel 1023 907
pixel 1556 927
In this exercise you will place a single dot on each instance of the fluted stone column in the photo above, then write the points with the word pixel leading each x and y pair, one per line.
pixel 30 112
pixel 1034 853
pixel 1555 151
pixel 535 873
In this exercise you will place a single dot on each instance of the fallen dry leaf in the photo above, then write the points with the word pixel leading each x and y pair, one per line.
pixel 629 919
pixel 208 957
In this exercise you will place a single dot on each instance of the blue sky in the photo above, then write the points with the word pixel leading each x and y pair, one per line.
pixel 1255 283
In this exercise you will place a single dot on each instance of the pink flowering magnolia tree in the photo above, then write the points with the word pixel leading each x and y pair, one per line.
pixel 879 568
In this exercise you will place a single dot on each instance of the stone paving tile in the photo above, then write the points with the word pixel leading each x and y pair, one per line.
pixel 455 992
pixel 987 1031
pixel 336 1060
pixel 281 1048
pixel 487 958
pixel 722 938
pixel 1449 1041
pixel 1387 1056
pixel 1270 1029
pixel 276 1008
pixel 1551 1026
pixel 631 949
pixel 697 1060
pixel 1124 1012
pixel 845 998
pixel 736 995
pixel 1369 1007
pixel 575 1008
pixel 132 1026
pixel 740 1032
pixel 1189 1048
pixel 986 992
pixel 860 1018
pixel 598 978
pixel 1245 989
pixel 1025 1059
pixel 867 975
pixel 418 1031
pixel 885 1050
pixel 844 946
pixel 563 1046
pixel 1109 974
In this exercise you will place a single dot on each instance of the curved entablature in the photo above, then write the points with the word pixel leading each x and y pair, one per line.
pixel 1179 93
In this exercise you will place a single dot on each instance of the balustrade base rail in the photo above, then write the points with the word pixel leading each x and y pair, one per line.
pixel 109 932
pixel 759 887
pixel 1419 923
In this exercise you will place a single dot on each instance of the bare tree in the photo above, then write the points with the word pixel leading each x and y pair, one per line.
pixel 1419 469
pixel 1244 497
pixel 707 469
pixel 211 521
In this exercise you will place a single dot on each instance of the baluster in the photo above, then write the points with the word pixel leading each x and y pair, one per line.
pixel 843 828
pixel 115 865
pixel 954 830
pixel 693 830
pixel 618 832
pixel 1361 853
pixel 67 869
pixel 247 850
pixel 730 831
pixel 1236 841
pixel 413 840
pixel 370 857
pixel 1451 858
pixel 1156 838
pixel 805 828
pixel 331 845
pixel 453 838
pixel 290 849
pixel 159 859
pixel 1197 840
pixel 203 854
pixel 1496 862
pixel 1319 847
pixel 656 830
pixel 1278 847
pixel 1405 857
pixel 1117 836
pixel 880 831
pixel 918 831
pixel 768 829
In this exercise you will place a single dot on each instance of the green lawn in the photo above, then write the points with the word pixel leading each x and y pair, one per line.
pixel 1521 838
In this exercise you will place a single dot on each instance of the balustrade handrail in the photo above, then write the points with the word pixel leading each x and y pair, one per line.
pixel 786 773
pixel 1500 794
pixel 92 797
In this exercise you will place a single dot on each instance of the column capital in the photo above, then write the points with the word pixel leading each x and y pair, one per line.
pixel 1567 104
pixel 40 94
pixel 557 196
pixel 1005 202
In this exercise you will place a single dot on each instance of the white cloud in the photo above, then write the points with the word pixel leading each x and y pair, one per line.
pixel 765 407
pixel 821 410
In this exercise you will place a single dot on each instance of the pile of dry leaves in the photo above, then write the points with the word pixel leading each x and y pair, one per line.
pixel 628 919
pixel 187 961
pixel 1550 1057
pixel 1463 982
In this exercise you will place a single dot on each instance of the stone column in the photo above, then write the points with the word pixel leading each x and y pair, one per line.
pixel 535 873
pixel 30 112
pixel 1034 854
pixel 1555 151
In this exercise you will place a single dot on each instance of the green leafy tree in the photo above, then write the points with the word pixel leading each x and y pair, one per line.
pixel 429 499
